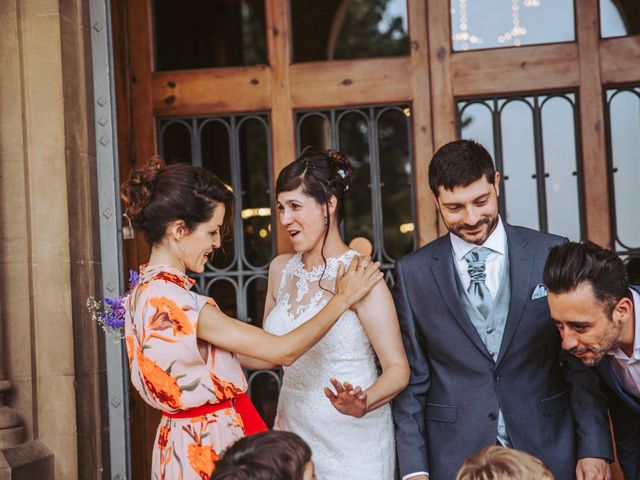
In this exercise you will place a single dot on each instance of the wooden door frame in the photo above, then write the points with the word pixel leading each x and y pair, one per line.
pixel 430 79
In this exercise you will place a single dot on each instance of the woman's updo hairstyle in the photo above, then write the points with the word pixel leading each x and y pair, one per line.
pixel 321 173
pixel 157 194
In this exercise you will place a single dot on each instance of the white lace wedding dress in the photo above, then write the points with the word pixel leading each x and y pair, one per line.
pixel 343 447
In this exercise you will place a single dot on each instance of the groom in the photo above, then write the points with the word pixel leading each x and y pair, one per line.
pixel 486 362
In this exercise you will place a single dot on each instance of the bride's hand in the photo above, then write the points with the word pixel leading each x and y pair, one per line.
pixel 347 399
pixel 361 276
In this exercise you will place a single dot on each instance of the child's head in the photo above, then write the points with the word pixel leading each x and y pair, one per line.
pixel 271 455
pixel 499 463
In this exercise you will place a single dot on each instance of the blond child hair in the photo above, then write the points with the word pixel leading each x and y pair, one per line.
pixel 499 463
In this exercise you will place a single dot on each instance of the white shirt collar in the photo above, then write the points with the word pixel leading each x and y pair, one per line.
pixel 617 351
pixel 497 242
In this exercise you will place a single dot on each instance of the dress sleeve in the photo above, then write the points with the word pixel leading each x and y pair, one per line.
pixel 169 370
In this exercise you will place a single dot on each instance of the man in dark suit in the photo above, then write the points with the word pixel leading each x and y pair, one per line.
pixel 598 315
pixel 486 364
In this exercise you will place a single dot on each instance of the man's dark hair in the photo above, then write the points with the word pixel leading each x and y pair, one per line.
pixel 272 455
pixel 570 265
pixel 458 164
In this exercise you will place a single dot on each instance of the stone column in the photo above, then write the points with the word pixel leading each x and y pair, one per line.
pixel 11 430
pixel 18 460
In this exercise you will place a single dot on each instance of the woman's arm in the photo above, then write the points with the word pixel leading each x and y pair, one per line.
pixel 273 284
pixel 378 316
pixel 235 336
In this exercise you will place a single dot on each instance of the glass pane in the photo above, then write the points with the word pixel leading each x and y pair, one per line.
pixel 223 291
pixel 264 387
pixel 333 30
pixel 216 157
pixel 353 130
pixel 558 132
pixel 619 18
pixel 315 130
pixel 395 177
pixel 256 187
pixel 625 145
pixel 476 123
pixel 519 165
pixel 256 293
pixel 175 144
pixel 209 33
pixel 509 23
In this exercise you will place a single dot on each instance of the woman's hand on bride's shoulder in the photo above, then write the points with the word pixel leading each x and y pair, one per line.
pixel 361 276
pixel 347 399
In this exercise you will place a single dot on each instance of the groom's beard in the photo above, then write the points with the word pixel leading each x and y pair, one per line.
pixel 486 225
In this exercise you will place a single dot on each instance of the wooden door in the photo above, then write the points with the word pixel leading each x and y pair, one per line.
pixel 275 69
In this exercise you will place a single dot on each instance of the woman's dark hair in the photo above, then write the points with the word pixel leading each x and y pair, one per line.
pixel 571 264
pixel 156 195
pixel 322 174
pixel 272 455
pixel 458 164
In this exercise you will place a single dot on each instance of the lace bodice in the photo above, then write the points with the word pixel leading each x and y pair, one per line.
pixel 343 446
pixel 345 350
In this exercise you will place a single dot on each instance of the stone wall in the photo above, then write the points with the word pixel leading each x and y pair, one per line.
pixel 49 238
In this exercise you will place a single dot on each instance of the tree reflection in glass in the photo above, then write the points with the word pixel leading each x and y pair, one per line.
pixel 347 29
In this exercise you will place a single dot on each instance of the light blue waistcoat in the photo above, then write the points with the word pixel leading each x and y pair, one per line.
pixel 491 329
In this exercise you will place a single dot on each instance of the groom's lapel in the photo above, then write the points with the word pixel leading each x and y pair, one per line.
pixel 443 272
pixel 520 269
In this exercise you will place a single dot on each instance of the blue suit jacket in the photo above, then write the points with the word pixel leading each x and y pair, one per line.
pixel 625 416
pixel 449 409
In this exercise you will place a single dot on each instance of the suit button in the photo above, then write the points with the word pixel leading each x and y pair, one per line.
pixel 493 417
pixel 497 377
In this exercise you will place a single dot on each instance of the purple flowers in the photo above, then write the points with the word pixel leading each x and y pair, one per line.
pixel 110 312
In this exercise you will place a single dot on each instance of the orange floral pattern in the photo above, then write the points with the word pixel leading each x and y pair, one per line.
pixel 202 459
pixel 170 373
pixel 159 383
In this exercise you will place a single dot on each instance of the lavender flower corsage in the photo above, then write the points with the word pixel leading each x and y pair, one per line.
pixel 109 312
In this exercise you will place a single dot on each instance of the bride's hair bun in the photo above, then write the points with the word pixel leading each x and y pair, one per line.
pixel 343 167
pixel 137 191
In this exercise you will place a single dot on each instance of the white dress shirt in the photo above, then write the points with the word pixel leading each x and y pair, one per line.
pixel 497 243
pixel 627 368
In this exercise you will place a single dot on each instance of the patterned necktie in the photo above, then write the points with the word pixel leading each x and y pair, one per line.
pixel 478 291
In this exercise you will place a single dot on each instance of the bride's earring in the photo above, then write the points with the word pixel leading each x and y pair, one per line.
pixel 326 221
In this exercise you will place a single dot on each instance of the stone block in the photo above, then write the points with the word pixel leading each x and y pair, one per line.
pixel 27 461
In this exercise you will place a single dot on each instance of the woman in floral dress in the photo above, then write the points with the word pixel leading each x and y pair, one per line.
pixel 181 347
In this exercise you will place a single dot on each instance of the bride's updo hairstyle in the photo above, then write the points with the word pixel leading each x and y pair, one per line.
pixel 157 194
pixel 321 174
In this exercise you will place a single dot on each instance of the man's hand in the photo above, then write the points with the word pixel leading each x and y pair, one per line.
pixel 593 469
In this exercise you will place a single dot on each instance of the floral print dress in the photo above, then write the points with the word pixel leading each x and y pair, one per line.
pixel 173 371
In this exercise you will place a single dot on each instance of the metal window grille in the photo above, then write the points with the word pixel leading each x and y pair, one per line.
pixel 234 279
pixel 552 179
pixel 622 118
pixel 377 141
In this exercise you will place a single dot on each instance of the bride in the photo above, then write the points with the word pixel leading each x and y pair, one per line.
pixel 349 427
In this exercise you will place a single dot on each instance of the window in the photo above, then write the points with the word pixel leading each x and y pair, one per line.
pixel 533 141
pixel 510 23
pixel 376 140
pixel 622 112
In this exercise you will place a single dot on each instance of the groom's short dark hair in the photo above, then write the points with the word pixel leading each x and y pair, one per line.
pixel 458 164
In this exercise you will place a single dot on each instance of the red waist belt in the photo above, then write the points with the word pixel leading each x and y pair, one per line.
pixel 251 419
